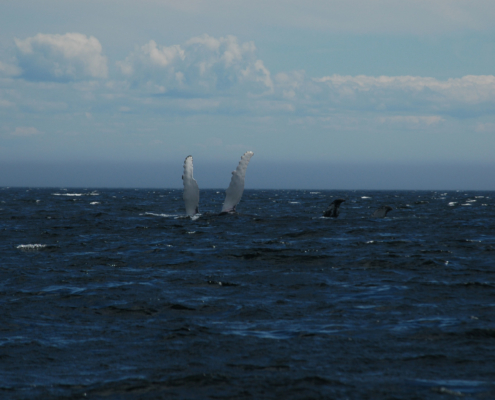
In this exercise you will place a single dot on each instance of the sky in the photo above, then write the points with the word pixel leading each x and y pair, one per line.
pixel 354 94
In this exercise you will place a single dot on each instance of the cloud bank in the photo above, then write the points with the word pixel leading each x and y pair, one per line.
pixel 225 76
pixel 230 72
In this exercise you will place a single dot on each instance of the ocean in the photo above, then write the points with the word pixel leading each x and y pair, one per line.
pixel 115 294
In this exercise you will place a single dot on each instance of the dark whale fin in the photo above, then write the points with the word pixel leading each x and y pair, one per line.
pixel 234 192
pixel 381 212
pixel 191 189
pixel 333 209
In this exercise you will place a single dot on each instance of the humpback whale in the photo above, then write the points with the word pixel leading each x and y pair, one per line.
pixel 333 209
pixel 191 189
pixel 234 192
pixel 381 212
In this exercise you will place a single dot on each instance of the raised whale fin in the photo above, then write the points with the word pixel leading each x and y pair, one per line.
pixel 333 209
pixel 381 212
pixel 234 192
pixel 191 189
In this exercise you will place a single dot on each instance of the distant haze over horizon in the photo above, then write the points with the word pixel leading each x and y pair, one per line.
pixel 383 94
pixel 261 175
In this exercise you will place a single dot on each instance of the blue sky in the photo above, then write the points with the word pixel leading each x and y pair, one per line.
pixel 309 85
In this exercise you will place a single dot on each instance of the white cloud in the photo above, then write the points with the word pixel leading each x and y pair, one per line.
pixel 68 57
pixel 469 95
pixel 5 103
pixel 9 69
pixel 485 127
pixel 469 89
pixel 25 131
pixel 413 119
pixel 203 65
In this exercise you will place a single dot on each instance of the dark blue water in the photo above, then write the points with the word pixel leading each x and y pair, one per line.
pixel 112 294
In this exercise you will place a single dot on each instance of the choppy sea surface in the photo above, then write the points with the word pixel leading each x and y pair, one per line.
pixel 114 294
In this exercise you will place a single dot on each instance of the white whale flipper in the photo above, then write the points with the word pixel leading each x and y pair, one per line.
pixel 191 189
pixel 234 192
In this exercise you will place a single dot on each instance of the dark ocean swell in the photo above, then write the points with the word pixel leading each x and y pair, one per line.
pixel 114 294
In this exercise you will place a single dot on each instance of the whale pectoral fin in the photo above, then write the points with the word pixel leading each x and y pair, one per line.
pixel 234 192
pixel 191 189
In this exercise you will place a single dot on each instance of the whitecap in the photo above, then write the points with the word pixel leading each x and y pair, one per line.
pixel 466 204
pixel 76 194
pixel 452 203
pixel 94 202
pixel 470 201
pixel 160 215
pixel 366 197
pixel 31 247
pixel 294 202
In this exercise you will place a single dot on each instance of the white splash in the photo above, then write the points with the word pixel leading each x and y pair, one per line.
pixel 234 192
pixel 191 189
pixel 31 247
pixel 76 194
pixel 160 215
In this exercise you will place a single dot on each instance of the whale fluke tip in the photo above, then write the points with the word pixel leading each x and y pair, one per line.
pixel 333 209
pixel 381 212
